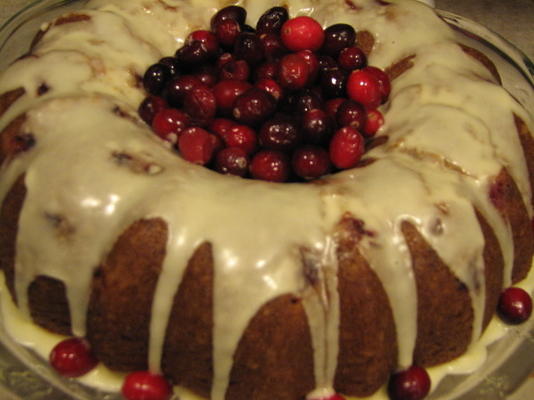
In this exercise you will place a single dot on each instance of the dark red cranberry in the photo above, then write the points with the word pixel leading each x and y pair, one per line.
pixel 172 64
pixel 326 63
pixel 270 165
pixel 179 87
pixel 267 70
pixel 190 55
pixel 207 39
pixel 155 78
pixel 313 64
pixel 346 147
pixel 169 123
pixel 72 358
pixel 293 73
pixel 227 33
pixel 352 58
pixel 331 106
pixel 223 59
pixel 316 127
pixel 410 384
pixel 143 385
pixel 235 13
pixel 221 126
pixel 306 100
pixel 196 145
pixel 334 82
pixel 227 91
pixel 515 305
pixel 235 69
pixel 310 162
pixel 201 105
pixel 351 113
pixel 302 33
pixel 207 74
pixel 150 107
pixel 337 37
pixel 232 160
pixel 364 88
pixel 271 87
pixel 272 20
pixel 373 123
pixel 241 136
pixel 273 47
pixel 280 134
pixel 383 81
pixel 248 47
pixel 253 107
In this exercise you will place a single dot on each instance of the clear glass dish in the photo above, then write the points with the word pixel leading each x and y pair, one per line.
pixel 24 375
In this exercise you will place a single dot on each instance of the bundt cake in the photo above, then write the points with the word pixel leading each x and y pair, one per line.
pixel 243 289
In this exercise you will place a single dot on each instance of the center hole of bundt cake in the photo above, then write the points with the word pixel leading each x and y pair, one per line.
pixel 287 101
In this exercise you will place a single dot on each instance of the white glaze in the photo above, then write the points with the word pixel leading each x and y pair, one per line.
pixel 92 69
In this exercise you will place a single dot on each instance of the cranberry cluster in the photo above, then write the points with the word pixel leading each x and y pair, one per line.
pixel 285 101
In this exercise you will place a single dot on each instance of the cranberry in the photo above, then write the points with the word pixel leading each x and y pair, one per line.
pixel 267 70
pixel 232 160
pixel 149 107
pixel 272 20
pixel 227 91
pixel 235 13
pixel 383 81
pixel 155 78
pixel 207 74
pixel 346 147
pixel 313 64
pixel 200 104
pixel 248 47
pixel 235 69
pixel 270 165
pixel 410 384
pixel 143 385
pixel 302 33
pixel 279 134
pixel 326 63
pixel 294 72
pixel 72 358
pixel 316 127
pixel 179 87
pixel 351 113
pixel 332 105
pixel 221 126
pixel 253 107
pixel 364 88
pixel 207 39
pixel 172 64
pixel 227 32
pixel 271 87
pixel 373 123
pixel 306 100
pixel 352 58
pixel 333 82
pixel 223 59
pixel 241 136
pixel 169 123
pixel 310 162
pixel 273 47
pixel 515 305
pixel 196 145
pixel 337 37
pixel 193 54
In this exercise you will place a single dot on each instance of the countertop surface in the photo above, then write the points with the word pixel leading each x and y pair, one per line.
pixel 512 19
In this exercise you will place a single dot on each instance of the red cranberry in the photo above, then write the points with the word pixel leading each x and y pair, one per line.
pixel 72 358
pixel 249 47
pixel 383 81
pixel 373 123
pixel 192 54
pixel 200 104
pixel 253 107
pixel 273 47
pixel 267 70
pixel 337 37
pixel 279 134
pixel 221 126
pixel 310 162
pixel 155 78
pixel 316 127
pixel 207 74
pixel 196 145
pixel 206 38
pixel 272 20
pixel 271 87
pixel 143 385
pixel 410 384
pixel 235 13
pixel 352 58
pixel 364 88
pixel 294 72
pixel 270 165
pixel 515 305
pixel 302 33
pixel 332 397
pixel 227 33
pixel 179 87
pixel 333 82
pixel 169 123
pixel 346 147
pixel 332 105
pixel 149 107
pixel 232 160
pixel 313 64
pixel 223 59
pixel 235 69
pixel 241 136
pixel 227 91
pixel 351 113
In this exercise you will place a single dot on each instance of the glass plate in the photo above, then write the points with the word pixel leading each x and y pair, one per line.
pixel 26 376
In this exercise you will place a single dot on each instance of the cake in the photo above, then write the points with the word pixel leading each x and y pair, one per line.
pixel 241 289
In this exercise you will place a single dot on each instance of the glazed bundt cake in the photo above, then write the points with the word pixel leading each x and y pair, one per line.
pixel 243 289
